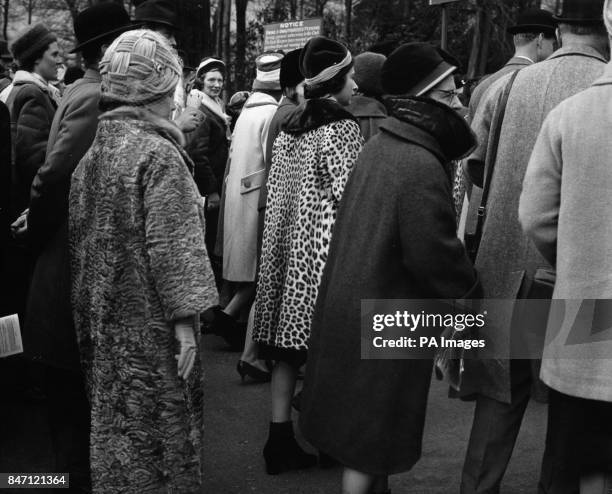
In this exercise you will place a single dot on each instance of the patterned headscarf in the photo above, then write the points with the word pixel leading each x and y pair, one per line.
pixel 138 68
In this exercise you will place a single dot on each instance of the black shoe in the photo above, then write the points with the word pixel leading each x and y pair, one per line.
pixel 282 452
pixel 235 336
pixel 246 369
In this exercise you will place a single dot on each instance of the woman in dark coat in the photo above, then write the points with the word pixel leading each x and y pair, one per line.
pixel 394 238
pixel 209 146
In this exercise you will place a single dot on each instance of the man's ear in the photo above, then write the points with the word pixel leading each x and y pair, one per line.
pixel 608 15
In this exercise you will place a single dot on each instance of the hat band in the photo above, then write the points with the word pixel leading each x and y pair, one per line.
pixel 270 76
pixel 330 72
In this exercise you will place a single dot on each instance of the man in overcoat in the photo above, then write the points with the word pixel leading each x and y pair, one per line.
pixel 507 261
pixel 49 335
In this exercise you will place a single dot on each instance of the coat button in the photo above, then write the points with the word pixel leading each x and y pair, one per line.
pixel 247 184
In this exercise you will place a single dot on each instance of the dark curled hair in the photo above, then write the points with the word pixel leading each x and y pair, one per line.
pixel 28 64
pixel 333 86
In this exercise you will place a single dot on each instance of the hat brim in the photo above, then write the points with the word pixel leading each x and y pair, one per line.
pixel 531 28
pixel 157 21
pixel 97 39
pixel 440 73
pixel 574 20
pixel 211 66
pixel 268 85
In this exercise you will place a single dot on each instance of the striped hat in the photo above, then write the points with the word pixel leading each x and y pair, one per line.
pixel 268 72
pixel 139 67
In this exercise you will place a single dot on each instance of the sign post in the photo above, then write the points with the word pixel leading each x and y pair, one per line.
pixel 444 26
pixel 291 35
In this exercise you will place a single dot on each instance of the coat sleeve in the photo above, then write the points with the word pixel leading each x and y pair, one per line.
pixel 541 196
pixel 342 147
pixel 433 256
pixel 199 150
pixel 174 231
pixel 50 189
pixel 32 132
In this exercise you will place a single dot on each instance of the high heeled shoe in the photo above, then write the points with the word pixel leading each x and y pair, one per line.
pixel 282 452
pixel 245 369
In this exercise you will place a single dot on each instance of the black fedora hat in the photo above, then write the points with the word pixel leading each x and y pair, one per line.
pixel 579 11
pixel 534 21
pixel 98 22
pixel 158 12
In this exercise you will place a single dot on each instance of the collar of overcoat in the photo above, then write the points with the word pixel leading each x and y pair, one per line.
pixel 578 50
pixel 92 75
pixel 430 124
pixel 606 78
pixel 518 62
pixel 315 113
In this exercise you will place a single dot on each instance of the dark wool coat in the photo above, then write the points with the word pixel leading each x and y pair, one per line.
pixel 369 112
pixel 32 110
pixel 507 259
pixel 311 162
pixel 49 331
pixel 208 147
pixel 394 238
pixel 5 218
pixel 138 262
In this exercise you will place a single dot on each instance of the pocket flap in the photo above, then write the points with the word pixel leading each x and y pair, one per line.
pixel 253 181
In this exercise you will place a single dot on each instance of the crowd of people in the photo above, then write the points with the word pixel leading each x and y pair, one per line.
pixel 142 207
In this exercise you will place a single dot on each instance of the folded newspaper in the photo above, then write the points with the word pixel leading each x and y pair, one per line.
pixel 10 336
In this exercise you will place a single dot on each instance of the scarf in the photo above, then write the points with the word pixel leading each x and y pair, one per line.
pixel 215 105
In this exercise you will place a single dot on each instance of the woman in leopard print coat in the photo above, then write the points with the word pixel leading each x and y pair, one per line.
pixel 311 161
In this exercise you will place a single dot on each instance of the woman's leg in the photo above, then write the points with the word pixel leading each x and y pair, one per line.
pixel 282 389
pixel 249 353
pixel 355 482
pixel 241 299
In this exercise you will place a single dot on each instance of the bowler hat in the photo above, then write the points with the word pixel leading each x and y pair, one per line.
pixel 579 11
pixel 157 12
pixel 534 21
pixel 98 22
pixel 414 69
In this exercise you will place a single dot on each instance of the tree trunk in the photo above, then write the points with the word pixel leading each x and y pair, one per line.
pixel 241 6
pixel 5 20
pixel 301 9
pixel 227 17
pixel 484 48
pixel 348 14
pixel 293 9
pixel 208 42
pixel 218 29
pixel 477 39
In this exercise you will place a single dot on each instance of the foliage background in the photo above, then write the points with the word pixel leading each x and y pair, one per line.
pixel 233 29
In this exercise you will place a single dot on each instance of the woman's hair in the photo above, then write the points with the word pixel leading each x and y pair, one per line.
pixel 28 64
pixel 290 92
pixel 333 86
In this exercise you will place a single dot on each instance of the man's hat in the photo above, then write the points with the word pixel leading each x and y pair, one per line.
pixel 158 12
pixel 268 72
pixel 579 11
pixel 98 22
pixel 30 42
pixel 414 69
pixel 534 21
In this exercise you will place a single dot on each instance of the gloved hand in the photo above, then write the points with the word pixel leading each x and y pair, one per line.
pixel 184 332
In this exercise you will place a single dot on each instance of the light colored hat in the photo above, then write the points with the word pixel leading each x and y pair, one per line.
pixel 268 72
pixel 139 67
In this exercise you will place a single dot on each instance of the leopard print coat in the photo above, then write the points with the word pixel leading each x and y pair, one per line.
pixel 311 162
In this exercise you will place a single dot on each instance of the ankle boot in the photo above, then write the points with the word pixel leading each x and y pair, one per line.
pixel 282 452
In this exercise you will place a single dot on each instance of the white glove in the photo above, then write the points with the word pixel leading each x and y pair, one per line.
pixel 183 330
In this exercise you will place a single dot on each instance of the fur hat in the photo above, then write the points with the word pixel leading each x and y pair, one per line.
pixel 30 42
pixel 290 75
pixel 322 59
pixel 268 72
pixel 413 69
pixel 139 67
pixel 368 66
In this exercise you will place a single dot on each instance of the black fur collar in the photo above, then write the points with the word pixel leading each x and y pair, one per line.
pixel 313 114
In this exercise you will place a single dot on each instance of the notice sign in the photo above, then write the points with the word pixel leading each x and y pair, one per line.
pixel 291 35
pixel 10 336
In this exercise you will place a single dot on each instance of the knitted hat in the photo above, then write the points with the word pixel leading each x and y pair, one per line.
pixel 208 64
pixel 268 72
pixel 98 23
pixel 290 75
pixel 157 12
pixel 579 11
pixel 367 72
pixel 139 67
pixel 31 42
pixel 534 21
pixel 413 69
pixel 322 59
